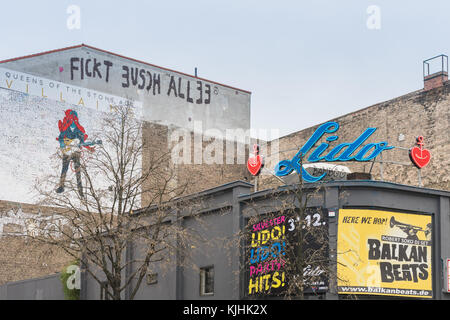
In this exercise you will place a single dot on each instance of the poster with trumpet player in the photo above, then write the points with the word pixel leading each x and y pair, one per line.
pixel 384 253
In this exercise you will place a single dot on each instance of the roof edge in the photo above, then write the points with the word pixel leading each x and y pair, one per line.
pixel 348 184
pixel 42 53
pixel 123 57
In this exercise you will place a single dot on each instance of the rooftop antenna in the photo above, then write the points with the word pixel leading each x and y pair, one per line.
pixel 195 71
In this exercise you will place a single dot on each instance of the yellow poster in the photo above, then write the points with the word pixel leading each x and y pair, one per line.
pixel 384 253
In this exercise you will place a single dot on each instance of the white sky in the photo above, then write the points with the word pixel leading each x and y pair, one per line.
pixel 305 61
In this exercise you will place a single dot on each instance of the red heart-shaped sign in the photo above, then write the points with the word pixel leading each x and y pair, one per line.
pixel 254 164
pixel 420 157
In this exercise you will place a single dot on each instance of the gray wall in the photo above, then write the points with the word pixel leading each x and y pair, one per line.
pixel 45 288
pixel 183 282
pixel 218 224
pixel 178 277
pixel 228 107
pixel 229 206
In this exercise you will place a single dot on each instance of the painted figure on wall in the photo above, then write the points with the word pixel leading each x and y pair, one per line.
pixel 72 138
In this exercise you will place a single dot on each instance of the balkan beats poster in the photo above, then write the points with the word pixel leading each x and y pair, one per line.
pixel 384 253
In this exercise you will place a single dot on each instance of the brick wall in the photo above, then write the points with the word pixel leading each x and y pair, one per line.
pixel 398 121
pixel 193 172
pixel 435 80
pixel 22 258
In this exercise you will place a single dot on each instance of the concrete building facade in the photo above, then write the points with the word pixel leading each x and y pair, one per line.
pixel 351 274
pixel 231 206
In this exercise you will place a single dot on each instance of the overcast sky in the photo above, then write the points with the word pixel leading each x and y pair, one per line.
pixel 305 62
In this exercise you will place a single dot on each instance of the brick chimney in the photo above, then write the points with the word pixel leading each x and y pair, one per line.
pixel 435 80
pixel 439 77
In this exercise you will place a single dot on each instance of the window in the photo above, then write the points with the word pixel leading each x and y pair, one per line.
pixel 104 291
pixel 152 278
pixel 207 281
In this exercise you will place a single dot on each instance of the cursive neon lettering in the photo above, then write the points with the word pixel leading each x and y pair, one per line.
pixel 347 151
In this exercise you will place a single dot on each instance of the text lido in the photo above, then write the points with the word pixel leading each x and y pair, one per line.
pixel 366 153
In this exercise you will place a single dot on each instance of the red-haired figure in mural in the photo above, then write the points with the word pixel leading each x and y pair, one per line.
pixel 72 138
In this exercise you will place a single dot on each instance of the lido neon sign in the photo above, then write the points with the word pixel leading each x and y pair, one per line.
pixel 366 153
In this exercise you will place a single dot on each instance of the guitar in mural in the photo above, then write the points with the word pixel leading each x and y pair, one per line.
pixel 72 140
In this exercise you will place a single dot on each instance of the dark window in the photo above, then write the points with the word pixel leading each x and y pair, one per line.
pixel 152 278
pixel 207 281
pixel 104 291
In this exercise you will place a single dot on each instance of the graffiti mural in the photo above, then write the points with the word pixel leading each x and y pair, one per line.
pixel 19 222
pixel 198 91
pixel 72 139
pixel 43 118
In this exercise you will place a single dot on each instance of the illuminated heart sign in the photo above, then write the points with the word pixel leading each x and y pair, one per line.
pixel 419 156
pixel 366 153
pixel 255 163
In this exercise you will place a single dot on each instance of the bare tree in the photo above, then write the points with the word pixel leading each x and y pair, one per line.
pixel 120 203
